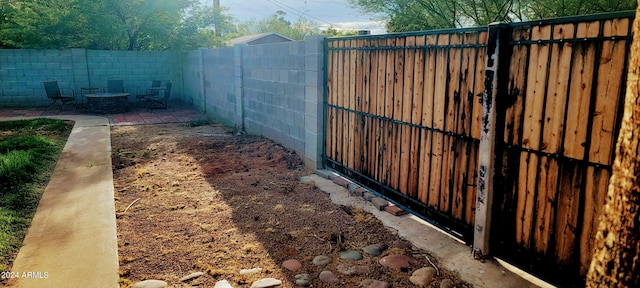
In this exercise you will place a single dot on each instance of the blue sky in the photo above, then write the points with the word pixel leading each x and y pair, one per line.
pixel 337 13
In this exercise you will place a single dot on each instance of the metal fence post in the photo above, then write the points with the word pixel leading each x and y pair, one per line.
pixel 495 69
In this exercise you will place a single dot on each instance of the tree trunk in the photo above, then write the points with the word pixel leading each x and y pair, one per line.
pixel 616 258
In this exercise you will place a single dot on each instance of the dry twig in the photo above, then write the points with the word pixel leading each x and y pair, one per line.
pixel 134 201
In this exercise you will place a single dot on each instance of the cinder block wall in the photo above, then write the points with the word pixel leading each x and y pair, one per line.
pixel 22 73
pixel 219 86
pixel 136 68
pixel 274 90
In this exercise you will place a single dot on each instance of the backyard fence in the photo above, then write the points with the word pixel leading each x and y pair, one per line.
pixel 411 116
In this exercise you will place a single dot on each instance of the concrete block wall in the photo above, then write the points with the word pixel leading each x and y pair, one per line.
pixel 136 68
pixel 220 91
pixel 191 78
pixel 22 73
pixel 274 90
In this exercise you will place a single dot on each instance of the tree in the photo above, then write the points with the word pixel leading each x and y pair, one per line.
pixel 414 15
pixel 616 260
pixel 333 32
pixel 109 24
pixel 277 23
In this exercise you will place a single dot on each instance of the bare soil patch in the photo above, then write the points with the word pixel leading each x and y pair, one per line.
pixel 203 199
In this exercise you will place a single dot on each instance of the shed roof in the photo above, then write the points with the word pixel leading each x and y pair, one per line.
pixel 268 37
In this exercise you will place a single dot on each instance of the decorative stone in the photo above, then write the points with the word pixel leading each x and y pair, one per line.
pixel 266 282
pixel 223 284
pixel 351 255
pixel 397 262
pixel 395 210
pixel 423 276
pixel 375 249
pixel 303 280
pixel 447 283
pixel 150 284
pixel 328 277
pixel 379 203
pixel 368 196
pixel 353 270
pixel 191 276
pixel 250 271
pixel 321 260
pixel 341 181
pixel 371 283
pixel 292 265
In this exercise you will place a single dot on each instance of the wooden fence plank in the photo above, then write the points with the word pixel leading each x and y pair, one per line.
pixel 608 91
pixel 396 133
pixel 351 104
pixel 534 100
pixel 438 122
pixel 517 85
pixel 580 87
pixel 389 106
pixel 452 112
pixel 596 186
pixel 476 116
pixel 552 134
pixel 407 102
pixel 426 136
pixel 416 116
pixel 568 203
pixel 359 103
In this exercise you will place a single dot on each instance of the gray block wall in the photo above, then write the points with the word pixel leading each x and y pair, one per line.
pixel 136 68
pixel 219 86
pixel 274 90
pixel 22 72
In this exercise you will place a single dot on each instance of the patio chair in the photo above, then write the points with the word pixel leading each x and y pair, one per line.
pixel 55 94
pixel 150 92
pixel 115 85
pixel 158 101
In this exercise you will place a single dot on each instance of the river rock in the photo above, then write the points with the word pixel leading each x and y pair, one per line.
pixel 375 249
pixel 303 280
pixel 423 276
pixel 321 260
pixel 191 276
pixel 328 277
pixel 266 282
pixel 150 284
pixel 351 255
pixel 397 262
pixel 447 283
pixel 372 283
pixel 292 265
pixel 223 284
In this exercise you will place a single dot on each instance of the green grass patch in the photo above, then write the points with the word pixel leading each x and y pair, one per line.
pixel 29 150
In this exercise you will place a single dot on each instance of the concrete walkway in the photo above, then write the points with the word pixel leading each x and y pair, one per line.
pixel 72 239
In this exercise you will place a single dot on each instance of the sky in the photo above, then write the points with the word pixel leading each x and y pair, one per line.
pixel 336 13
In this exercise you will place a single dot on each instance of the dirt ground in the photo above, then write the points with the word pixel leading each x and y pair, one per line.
pixel 203 199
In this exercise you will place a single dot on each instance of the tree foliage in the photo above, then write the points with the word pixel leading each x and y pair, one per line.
pixel 109 24
pixel 415 15
pixel 277 23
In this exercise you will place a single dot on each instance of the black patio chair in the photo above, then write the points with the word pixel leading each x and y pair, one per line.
pixel 115 85
pixel 150 92
pixel 160 101
pixel 55 94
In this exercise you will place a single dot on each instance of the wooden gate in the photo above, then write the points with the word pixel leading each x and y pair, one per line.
pixel 561 114
pixel 402 117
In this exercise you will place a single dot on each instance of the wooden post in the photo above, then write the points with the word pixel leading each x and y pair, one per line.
pixel 496 50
